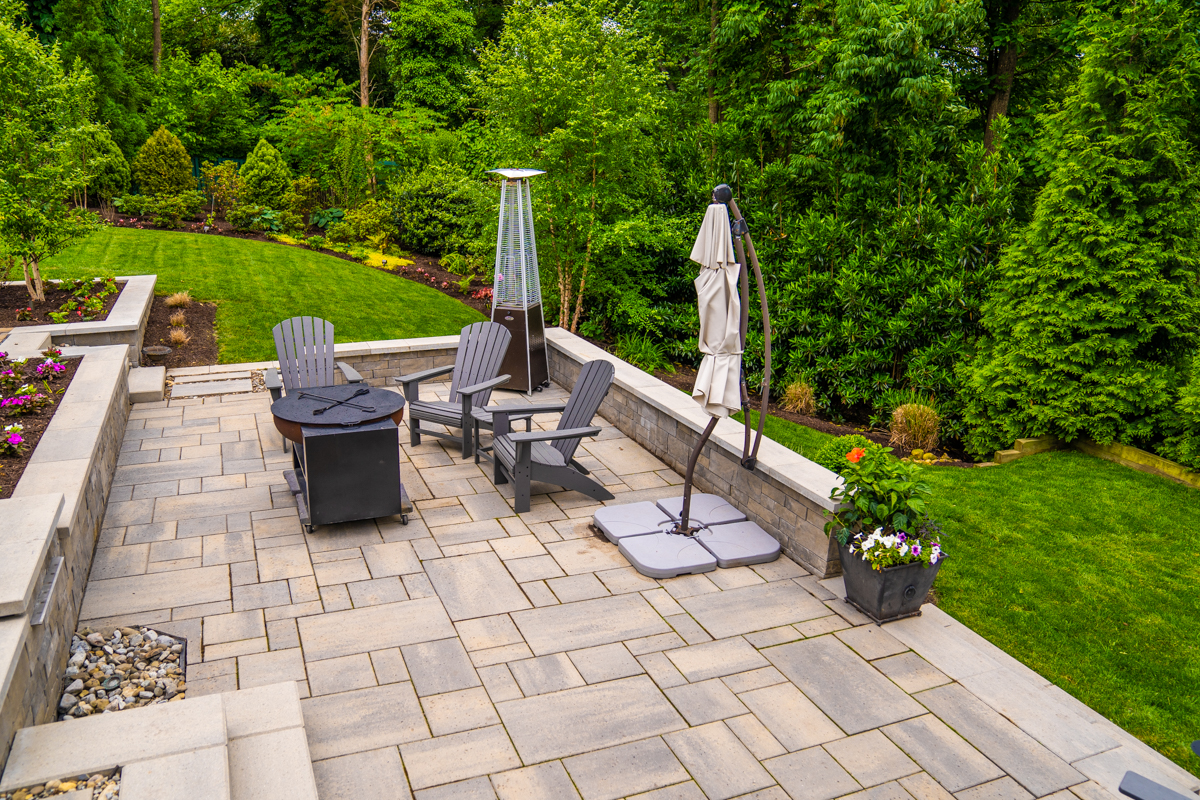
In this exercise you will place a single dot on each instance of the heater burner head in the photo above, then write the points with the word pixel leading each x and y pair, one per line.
pixel 514 174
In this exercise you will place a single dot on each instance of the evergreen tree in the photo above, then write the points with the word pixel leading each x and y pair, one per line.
pixel 266 175
pixel 1097 307
pixel 163 166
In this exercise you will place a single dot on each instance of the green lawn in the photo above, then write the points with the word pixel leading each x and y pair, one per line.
pixel 1084 570
pixel 258 284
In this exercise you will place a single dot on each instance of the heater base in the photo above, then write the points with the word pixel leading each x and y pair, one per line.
pixel 525 360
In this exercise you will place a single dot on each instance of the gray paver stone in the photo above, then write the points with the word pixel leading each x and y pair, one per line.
pixel 374 628
pixel 625 770
pixel 439 667
pixel 458 756
pixel 199 775
pixel 545 674
pixel 944 754
pixel 871 758
pixel 811 775
pixel 825 670
pixel 365 719
pixel 1003 789
pixel 718 761
pixel 547 781
pixel 475 585
pixel 753 608
pixel 716 659
pixel 707 701
pixel 588 623
pixel 791 717
pixel 360 775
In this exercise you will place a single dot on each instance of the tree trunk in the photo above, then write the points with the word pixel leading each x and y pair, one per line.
pixel 364 56
pixel 1002 63
pixel 33 280
pixel 157 18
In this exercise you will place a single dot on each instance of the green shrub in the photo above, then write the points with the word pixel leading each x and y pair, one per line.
pixel 266 175
pixel 643 352
pixel 373 222
pixel 326 217
pixel 167 211
pixel 163 166
pixel 267 220
pixel 132 204
pixel 223 185
pixel 1096 306
pixel 1183 444
pixel 441 210
pixel 833 455
pixel 340 233
pixel 291 222
pixel 915 426
pixel 242 217
pixel 303 197
pixel 315 242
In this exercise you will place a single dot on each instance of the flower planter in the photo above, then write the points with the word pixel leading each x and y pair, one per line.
pixel 887 594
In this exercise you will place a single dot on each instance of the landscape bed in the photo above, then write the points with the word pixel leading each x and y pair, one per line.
pixel 33 424
pixel 14 298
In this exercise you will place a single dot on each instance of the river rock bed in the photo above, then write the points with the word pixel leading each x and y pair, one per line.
pixel 119 668
pixel 103 786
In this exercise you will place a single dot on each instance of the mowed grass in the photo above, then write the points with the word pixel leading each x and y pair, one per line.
pixel 258 284
pixel 1086 571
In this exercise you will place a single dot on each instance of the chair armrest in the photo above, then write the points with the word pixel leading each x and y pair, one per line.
pixel 550 436
pixel 274 383
pixel 543 409
pixel 475 388
pixel 425 374
pixel 350 372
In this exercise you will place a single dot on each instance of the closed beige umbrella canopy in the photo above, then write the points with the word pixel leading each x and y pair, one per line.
pixel 718 381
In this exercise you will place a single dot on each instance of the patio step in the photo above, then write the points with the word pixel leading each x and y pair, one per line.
pixel 242 745
pixel 147 384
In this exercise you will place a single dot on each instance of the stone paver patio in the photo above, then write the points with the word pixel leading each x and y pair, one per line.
pixel 478 653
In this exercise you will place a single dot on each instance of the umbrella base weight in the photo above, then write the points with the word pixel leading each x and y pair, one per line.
pixel 638 531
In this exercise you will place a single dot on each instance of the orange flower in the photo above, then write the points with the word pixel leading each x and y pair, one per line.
pixel 855 454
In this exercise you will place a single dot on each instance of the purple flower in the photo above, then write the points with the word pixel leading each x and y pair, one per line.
pixel 916 549
pixel 15 439
pixel 900 536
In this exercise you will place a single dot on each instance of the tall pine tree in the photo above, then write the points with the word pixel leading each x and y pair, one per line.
pixel 1097 309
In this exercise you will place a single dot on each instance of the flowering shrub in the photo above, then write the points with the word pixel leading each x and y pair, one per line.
pixel 51 352
pixel 50 369
pixel 882 550
pixel 483 294
pixel 882 495
pixel 11 441
pixel 21 404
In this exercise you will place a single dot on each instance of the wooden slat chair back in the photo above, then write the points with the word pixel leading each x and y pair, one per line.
pixel 592 385
pixel 481 349
pixel 546 456
pixel 305 349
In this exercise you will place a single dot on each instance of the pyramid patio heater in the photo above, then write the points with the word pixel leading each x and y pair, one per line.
pixel 517 290
pixel 699 532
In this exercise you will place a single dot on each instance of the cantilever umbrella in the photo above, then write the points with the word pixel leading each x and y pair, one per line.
pixel 718 387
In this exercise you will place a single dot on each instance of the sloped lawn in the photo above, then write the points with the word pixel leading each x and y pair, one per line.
pixel 258 284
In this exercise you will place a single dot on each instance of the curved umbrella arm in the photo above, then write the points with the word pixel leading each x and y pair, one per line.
pixel 740 229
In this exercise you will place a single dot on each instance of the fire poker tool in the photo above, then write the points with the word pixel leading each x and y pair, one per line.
pixel 319 411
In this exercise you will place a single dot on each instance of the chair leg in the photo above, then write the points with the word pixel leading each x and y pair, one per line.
pixel 414 431
pixel 475 436
pixel 521 480
pixel 498 476
pixel 467 443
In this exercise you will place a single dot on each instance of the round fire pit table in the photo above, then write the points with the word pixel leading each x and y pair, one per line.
pixel 296 409
pixel 346 453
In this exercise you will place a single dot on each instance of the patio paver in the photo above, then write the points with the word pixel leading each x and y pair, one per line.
pixel 476 652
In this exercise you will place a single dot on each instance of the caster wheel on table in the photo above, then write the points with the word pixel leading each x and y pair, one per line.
pixel 310 528
pixel 404 519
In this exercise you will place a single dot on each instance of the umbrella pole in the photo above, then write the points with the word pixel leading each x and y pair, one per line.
pixel 682 527
pixel 750 457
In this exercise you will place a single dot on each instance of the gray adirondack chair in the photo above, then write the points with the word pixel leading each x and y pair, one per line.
pixel 304 346
pixel 547 455
pixel 481 349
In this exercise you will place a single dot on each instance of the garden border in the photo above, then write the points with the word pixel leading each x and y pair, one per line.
pixel 125 324
pixel 73 464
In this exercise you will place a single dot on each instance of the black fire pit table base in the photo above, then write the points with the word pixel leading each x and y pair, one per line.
pixel 346 455
pixel 348 474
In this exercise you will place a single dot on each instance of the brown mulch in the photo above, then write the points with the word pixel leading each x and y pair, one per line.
pixel 433 276
pixel 15 298
pixel 201 351
pixel 11 467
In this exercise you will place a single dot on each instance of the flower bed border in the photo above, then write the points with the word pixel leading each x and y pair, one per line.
pixel 125 324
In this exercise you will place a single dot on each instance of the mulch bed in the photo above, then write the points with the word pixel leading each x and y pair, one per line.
pixel 15 298
pixel 201 351
pixel 12 467
pixel 432 276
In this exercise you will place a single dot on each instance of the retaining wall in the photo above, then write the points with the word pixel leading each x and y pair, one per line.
pixel 76 457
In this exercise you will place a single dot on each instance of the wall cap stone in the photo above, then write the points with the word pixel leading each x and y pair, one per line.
pixel 29 525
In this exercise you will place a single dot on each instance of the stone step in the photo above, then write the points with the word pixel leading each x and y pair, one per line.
pixel 26 342
pixel 208 388
pixel 242 745
pixel 215 376
pixel 147 384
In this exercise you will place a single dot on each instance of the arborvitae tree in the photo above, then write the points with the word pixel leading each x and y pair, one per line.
pixel 163 166
pixel 1097 308
pixel 266 175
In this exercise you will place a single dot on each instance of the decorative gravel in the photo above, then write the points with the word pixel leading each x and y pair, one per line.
pixel 121 668
pixel 103 786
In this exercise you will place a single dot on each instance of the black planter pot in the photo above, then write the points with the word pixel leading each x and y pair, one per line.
pixel 888 594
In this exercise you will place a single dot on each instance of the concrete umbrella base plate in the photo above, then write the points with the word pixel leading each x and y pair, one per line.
pixel 665 555
pixel 633 519
pixel 739 544
pixel 706 510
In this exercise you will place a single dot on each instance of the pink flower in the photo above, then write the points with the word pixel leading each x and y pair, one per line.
pixel 15 439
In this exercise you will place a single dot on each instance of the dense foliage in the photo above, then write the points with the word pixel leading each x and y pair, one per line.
pixel 162 165
pixel 981 206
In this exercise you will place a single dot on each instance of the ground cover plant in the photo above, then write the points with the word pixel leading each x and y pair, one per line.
pixel 257 284
pixel 1100 597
